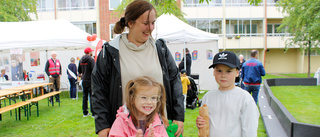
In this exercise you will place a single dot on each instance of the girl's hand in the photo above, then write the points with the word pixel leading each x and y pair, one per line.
pixel 200 122
pixel 151 131
pixel 139 133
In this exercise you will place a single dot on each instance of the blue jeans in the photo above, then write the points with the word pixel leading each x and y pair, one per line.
pixel 73 88
pixel 254 89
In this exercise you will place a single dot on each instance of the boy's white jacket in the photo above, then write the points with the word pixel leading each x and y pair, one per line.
pixel 124 127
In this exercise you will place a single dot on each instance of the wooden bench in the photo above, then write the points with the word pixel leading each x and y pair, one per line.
pixel 34 101
pixel 19 106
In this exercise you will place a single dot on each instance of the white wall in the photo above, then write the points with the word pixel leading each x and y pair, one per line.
pixel 199 66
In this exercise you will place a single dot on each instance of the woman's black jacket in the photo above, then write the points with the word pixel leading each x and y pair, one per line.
pixel 107 90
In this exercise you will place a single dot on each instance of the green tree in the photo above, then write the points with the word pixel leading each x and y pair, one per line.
pixel 162 7
pixel 17 10
pixel 167 6
pixel 302 20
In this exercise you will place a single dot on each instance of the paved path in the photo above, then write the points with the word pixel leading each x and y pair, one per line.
pixel 271 122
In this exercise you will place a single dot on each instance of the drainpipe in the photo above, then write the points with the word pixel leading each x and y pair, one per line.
pixel 265 33
pixel 223 25
pixel 55 9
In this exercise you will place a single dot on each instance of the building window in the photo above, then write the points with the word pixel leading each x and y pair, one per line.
pixel 314 52
pixel 113 4
pixel 272 2
pixel 244 27
pixel 272 30
pixel 48 5
pixel 87 27
pixel 246 53
pixel 208 25
pixel 45 5
pixel 112 34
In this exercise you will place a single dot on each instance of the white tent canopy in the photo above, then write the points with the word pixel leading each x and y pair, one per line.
pixel 42 35
pixel 202 46
pixel 173 30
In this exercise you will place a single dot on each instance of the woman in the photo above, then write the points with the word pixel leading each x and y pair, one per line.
pixel 129 56
pixel 72 76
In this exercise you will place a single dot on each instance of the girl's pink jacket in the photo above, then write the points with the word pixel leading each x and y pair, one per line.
pixel 124 127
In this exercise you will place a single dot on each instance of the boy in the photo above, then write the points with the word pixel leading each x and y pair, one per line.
pixel 185 82
pixel 232 110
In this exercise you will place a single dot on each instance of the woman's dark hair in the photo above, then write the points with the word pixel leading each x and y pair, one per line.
pixel 133 11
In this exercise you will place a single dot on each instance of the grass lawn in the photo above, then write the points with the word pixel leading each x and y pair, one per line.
pixel 301 101
pixel 299 75
pixel 66 121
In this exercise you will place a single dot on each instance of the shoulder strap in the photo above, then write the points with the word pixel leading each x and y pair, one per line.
pixel 72 74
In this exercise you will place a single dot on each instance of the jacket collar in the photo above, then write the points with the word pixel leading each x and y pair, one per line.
pixel 116 41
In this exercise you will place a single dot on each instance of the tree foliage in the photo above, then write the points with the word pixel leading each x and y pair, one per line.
pixel 302 20
pixel 251 2
pixel 161 6
pixel 17 10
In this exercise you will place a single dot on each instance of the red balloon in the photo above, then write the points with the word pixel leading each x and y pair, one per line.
pixel 94 37
pixel 89 38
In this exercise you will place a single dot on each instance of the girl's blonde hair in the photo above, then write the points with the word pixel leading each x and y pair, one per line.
pixel 131 90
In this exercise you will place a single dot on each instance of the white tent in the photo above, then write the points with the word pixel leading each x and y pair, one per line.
pixel 202 46
pixel 43 37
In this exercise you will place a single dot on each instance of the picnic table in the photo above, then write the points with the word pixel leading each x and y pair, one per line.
pixel 13 92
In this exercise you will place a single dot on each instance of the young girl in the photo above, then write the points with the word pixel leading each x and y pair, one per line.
pixel 143 113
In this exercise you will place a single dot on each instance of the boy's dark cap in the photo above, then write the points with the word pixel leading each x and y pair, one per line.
pixel 183 71
pixel 227 58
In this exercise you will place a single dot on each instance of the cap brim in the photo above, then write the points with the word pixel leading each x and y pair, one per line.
pixel 224 63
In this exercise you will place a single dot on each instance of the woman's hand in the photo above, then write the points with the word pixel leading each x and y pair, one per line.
pixel 180 128
pixel 104 132
pixel 200 122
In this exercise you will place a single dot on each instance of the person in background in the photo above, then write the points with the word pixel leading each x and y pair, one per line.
pixel 251 73
pixel 3 74
pixel 53 70
pixel 238 79
pixel 143 113
pixel 188 62
pixel 132 55
pixel 85 68
pixel 185 83
pixel 232 111
pixel 72 76
pixel 25 75
pixel 16 70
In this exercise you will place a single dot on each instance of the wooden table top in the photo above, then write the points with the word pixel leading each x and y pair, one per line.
pixel 15 90
pixel 31 86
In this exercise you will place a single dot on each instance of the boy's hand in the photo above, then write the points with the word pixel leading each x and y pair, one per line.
pixel 200 122
pixel 151 131
pixel 139 133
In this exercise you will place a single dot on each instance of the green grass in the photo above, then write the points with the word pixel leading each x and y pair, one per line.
pixel 299 75
pixel 56 121
pixel 301 101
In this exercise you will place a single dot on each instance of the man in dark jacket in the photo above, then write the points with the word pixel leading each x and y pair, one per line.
pixel 188 62
pixel 86 65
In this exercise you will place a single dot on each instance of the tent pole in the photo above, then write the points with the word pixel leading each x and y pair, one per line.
pixel 184 52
